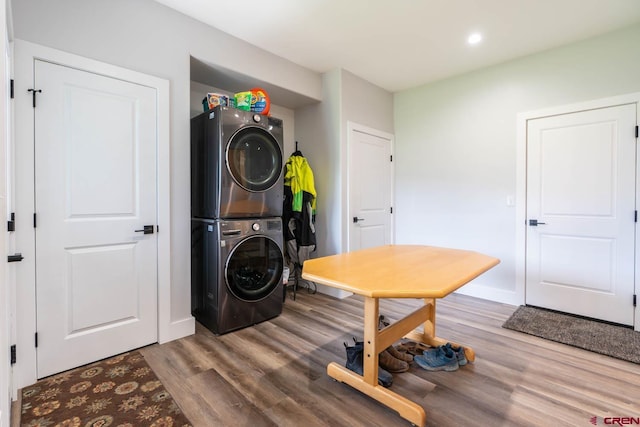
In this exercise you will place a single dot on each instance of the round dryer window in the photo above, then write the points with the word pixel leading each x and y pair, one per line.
pixel 254 159
pixel 254 268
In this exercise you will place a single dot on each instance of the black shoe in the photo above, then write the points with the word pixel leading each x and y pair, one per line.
pixel 355 364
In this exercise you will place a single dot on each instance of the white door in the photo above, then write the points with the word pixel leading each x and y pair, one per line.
pixel 370 178
pixel 95 186
pixel 5 306
pixel 581 191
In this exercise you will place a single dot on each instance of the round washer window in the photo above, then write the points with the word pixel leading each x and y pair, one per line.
pixel 254 268
pixel 254 159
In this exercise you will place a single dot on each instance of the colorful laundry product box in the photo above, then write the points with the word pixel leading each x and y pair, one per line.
pixel 214 99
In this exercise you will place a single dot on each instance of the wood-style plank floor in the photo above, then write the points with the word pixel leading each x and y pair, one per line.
pixel 273 374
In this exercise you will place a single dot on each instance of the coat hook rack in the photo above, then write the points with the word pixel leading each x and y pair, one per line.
pixel 297 152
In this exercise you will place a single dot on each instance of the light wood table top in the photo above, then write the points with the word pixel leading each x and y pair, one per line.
pixel 399 271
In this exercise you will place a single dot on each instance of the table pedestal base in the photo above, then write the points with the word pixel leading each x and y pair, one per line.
pixel 407 409
pixel 375 341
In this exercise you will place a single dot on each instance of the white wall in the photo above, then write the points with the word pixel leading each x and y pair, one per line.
pixel 456 145
pixel 145 36
pixel 318 135
pixel 321 130
pixel 365 104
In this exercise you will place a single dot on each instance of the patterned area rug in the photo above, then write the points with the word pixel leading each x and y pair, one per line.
pixel 600 337
pixel 122 392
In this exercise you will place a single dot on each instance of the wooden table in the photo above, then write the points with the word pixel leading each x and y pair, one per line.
pixel 396 271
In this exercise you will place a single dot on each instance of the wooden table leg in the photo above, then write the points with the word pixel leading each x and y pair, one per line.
pixel 368 382
pixel 429 336
pixel 370 354
pixel 407 409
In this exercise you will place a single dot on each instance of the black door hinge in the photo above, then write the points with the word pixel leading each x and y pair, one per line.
pixel 11 224
pixel 391 209
pixel 12 351
pixel 15 258
pixel 636 131
pixel 634 300
pixel 36 340
pixel 635 217
pixel 391 158
pixel 11 88
pixel 34 220
pixel 33 94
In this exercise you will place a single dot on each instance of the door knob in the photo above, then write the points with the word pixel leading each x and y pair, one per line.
pixel 146 229
pixel 535 223
pixel 356 219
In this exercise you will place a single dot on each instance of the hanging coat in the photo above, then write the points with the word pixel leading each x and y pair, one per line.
pixel 299 209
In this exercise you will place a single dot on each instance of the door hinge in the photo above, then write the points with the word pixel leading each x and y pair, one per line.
pixel 391 209
pixel 636 131
pixel 391 158
pixel 36 340
pixel 635 216
pixel 634 300
pixel 34 220
pixel 11 224
pixel 12 351
pixel 33 94
pixel 11 88
pixel 15 258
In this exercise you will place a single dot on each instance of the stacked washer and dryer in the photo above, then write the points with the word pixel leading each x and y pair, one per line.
pixel 237 255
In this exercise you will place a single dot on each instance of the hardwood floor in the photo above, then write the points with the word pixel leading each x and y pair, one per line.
pixel 273 374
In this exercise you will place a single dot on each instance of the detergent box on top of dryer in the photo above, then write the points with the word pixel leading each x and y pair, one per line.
pixel 214 99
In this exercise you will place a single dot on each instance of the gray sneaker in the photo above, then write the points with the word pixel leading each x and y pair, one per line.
pixel 459 352
pixel 438 359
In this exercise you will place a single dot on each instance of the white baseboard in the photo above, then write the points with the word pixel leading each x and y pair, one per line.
pixel 336 293
pixel 490 293
pixel 178 329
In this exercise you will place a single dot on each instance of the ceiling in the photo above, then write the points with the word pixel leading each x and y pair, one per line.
pixel 406 43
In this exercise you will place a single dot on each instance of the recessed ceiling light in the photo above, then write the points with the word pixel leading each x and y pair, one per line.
pixel 474 38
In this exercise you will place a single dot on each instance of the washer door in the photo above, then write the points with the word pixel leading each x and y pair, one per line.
pixel 253 269
pixel 254 159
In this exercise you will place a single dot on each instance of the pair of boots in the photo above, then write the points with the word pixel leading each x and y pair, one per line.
pixel 394 361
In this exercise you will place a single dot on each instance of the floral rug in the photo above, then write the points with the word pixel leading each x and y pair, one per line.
pixel 122 392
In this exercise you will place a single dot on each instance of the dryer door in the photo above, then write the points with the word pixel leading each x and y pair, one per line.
pixel 253 269
pixel 254 159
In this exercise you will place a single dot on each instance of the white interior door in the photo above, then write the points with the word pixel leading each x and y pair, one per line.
pixel 95 186
pixel 5 306
pixel 581 191
pixel 370 179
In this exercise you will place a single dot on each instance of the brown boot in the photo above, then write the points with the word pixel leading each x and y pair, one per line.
pixel 405 357
pixel 391 364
